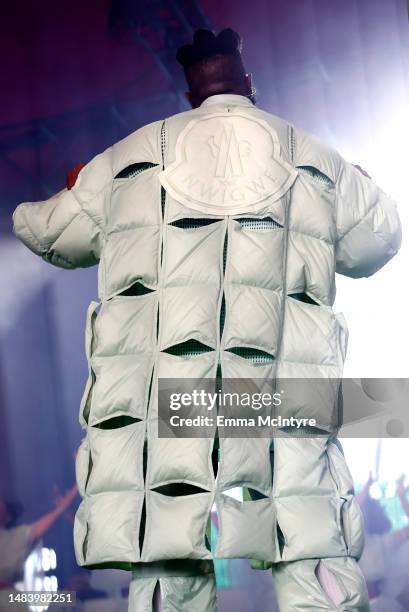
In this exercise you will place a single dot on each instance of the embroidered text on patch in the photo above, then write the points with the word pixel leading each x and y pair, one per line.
pixel 227 163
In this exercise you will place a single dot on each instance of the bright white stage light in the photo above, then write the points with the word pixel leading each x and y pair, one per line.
pixel 386 460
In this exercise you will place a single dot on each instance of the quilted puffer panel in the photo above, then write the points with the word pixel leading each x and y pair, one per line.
pixel 310 334
pixel 369 229
pixel 120 387
pixel 352 519
pixel 308 194
pixel 192 256
pixel 187 313
pixel 311 526
pixel 131 256
pixel 270 207
pixel 195 367
pixel 371 242
pixel 40 224
pixel 175 526
pixel 246 529
pixel 80 532
pixel 255 256
pixel 311 392
pixel 252 318
pixel 78 246
pixel 357 196
pixel 245 462
pixel 67 229
pixel 126 325
pixel 92 313
pixel 89 347
pixel 234 366
pixel 173 460
pixel 116 459
pixel 298 588
pixel 311 267
pixel 143 145
pixel 176 211
pixel 353 527
pixel 135 202
pixel 82 465
pixel 93 185
pixel 301 467
pixel 309 151
pixel 339 469
pixel 113 526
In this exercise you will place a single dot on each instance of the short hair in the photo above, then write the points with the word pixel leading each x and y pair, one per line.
pixel 206 44
pixel 213 64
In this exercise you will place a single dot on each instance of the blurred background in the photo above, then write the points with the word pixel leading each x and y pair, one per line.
pixel 78 76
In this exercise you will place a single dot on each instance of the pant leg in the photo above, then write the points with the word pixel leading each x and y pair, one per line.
pixel 337 587
pixel 188 594
pixel 141 594
pixel 185 586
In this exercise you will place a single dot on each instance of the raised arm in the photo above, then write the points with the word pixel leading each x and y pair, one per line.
pixel 368 224
pixel 67 230
pixel 402 494
pixel 43 524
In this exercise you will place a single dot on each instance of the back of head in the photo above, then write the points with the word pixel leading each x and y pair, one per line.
pixel 213 65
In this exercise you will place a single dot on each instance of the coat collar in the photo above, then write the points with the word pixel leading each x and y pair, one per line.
pixel 234 99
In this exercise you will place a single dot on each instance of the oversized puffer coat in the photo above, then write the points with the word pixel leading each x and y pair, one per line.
pixel 224 208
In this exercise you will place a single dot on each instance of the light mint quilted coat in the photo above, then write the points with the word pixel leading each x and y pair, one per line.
pixel 165 277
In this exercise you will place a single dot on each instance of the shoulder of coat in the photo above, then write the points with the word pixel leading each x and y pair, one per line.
pixel 310 151
pixel 143 145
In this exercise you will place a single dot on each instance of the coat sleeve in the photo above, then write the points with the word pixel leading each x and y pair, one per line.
pixel 68 229
pixel 368 225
